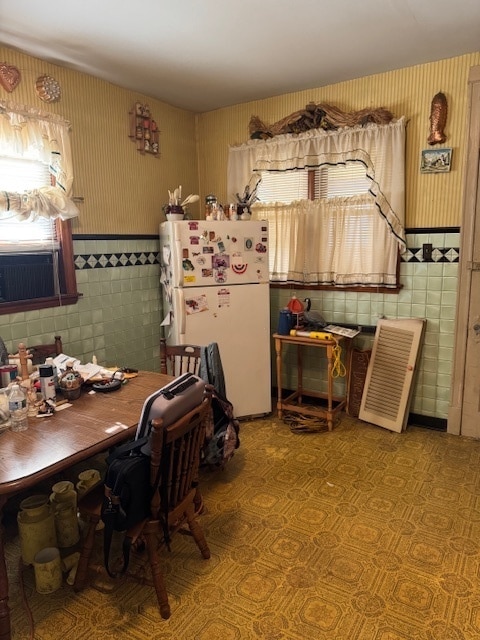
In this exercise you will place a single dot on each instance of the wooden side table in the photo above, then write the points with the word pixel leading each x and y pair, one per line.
pixel 293 402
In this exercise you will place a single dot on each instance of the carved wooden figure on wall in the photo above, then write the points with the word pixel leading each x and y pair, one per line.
pixel 438 119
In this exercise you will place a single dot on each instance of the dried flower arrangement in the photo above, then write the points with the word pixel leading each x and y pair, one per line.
pixel 318 116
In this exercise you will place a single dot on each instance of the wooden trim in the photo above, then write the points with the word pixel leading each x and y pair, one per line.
pixel 325 287
pixel 467 238
pixel 114 236
pixel 64 232
pixel 68 283
pixel 474 75
pixel 38 303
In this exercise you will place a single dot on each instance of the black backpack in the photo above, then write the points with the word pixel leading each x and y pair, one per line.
pixel 127 496
pixel 128 491
pixel 222 433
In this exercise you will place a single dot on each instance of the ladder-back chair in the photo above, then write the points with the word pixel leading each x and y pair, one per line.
pixel 175 360
pixel 175 454
pixel 40 352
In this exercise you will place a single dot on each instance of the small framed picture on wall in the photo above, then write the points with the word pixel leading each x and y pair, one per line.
pixel 436 161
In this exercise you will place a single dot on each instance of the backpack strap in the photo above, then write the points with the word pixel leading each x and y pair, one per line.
pixel 109 516
pixel 111 511
pixel 127 447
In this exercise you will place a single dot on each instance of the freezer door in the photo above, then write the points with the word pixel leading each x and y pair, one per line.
pixel 238 319
pixel 200 253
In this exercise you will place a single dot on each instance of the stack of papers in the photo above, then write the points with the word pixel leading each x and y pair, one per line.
pixel 341 331
pixel 87 371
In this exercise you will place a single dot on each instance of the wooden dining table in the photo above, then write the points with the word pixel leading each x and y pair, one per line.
pixel 92 424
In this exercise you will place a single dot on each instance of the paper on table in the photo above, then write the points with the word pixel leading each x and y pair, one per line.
pixel 87 371
pixel 91 370
pixel 61 360
pixel 342 331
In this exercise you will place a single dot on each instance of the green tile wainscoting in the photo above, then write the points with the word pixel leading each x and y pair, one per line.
pixel 429 291
pixel 119 315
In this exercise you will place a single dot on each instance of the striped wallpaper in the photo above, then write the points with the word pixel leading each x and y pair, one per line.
pixel 124 191
pixel 433 200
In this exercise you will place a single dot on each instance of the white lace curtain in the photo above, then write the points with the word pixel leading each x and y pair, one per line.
pixel 35 135
pixel 344 241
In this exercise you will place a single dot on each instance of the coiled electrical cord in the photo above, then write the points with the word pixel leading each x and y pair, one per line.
pixel 338 368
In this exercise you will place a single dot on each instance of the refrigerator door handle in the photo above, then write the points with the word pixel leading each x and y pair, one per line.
pixel 180 310
pixel 178 268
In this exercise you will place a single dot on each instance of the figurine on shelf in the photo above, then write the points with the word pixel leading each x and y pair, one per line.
pixel 246 200
pixel 144 130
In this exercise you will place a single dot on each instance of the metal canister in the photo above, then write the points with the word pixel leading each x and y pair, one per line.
pixel 285 322
pixel 8 373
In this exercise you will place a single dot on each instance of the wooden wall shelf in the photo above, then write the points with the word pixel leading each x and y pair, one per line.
pixel 144 130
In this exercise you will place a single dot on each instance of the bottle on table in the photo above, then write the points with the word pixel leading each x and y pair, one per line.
pixel 55 372
pixel 17 404
pixel 47 381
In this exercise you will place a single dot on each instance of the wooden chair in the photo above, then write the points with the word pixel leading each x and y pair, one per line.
pixel 175 452
pixel 40 352
pixel 176 360
pixel 27 357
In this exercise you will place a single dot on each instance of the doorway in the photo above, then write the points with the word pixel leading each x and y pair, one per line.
pixel 464 412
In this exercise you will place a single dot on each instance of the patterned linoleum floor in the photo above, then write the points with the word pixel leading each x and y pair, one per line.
pixel 355 534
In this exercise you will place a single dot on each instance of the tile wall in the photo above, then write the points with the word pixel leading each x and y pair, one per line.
pixel 119 315
pixel 429 291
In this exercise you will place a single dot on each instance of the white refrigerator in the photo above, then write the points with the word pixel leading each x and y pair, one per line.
pixel 214 277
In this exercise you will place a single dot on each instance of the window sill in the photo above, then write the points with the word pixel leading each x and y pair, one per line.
pixel 324 287
pixel 39 303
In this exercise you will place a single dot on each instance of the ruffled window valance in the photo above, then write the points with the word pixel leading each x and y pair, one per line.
pixel 31 134
pixel 380 148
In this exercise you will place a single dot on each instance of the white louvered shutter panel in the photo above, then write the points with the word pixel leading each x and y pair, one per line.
pixel 388 384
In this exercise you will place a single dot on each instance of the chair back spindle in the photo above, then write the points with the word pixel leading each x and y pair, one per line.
pixel 176 360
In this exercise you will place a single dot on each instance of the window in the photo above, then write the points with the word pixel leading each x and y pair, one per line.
pixel 334 202
pixel 311 184
pixel 285 186
pixel 18 175
pixel 36 249
pixel 325 182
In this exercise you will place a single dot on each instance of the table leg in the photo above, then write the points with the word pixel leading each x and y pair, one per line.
pixel 278 349
pixel 299 373
pixel 5 631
